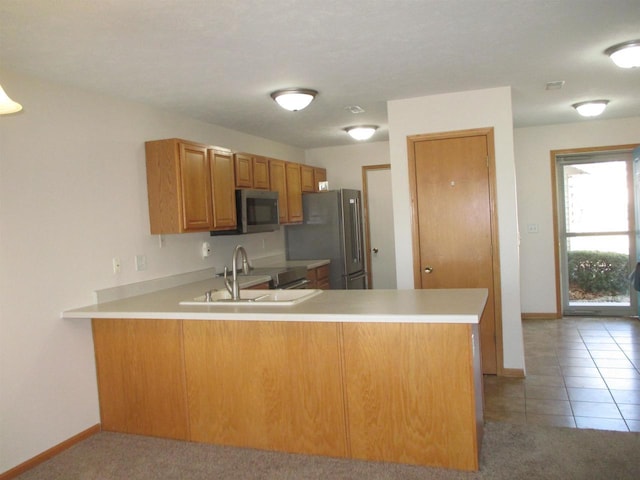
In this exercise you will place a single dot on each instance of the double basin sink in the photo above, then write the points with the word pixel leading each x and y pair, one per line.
pixel 253 297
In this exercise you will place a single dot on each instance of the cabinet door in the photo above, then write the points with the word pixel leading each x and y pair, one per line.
pixel 224 195
pixel 278 180
pixel 244 170
pixel 294 192
pixel 306 175
pixel 260 173
pixel 319 175
pixel 196 187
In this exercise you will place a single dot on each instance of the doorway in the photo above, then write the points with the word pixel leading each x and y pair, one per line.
pixel 454 224
pixel 595 231
pixel 378 219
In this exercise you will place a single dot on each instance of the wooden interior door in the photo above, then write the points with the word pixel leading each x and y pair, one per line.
pixel 454 240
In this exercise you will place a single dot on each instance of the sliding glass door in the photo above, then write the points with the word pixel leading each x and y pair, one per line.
pixel 596 233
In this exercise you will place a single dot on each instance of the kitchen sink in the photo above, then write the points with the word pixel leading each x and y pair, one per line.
pixel 254 297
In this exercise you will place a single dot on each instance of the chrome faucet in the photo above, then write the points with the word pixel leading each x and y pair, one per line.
pixel 234 287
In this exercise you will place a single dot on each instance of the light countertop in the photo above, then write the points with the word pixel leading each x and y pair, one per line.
pixel 392 306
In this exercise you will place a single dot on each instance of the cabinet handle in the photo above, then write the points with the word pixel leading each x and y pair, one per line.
pixel 375 250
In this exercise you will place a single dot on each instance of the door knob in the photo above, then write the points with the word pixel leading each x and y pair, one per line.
pixel 375 250
pixel 428 269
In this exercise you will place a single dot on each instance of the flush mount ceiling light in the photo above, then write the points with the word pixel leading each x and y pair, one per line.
pixel 592 108
pixel 361 132
pixel 294 99
pixel 625 55
pixel 7 105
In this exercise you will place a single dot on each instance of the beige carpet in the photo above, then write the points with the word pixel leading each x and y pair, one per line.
pixel 509 451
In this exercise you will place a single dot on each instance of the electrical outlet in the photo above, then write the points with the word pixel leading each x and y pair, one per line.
pixel 115 262
pixel 532 228
pixel 206 249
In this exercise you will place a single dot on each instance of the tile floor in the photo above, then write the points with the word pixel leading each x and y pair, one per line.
pixel 581 373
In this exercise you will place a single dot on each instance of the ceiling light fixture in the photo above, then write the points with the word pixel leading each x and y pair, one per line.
pixel 294 99
pixel 361 132
pixel 625 55
pixel 592 108
pixel 7 105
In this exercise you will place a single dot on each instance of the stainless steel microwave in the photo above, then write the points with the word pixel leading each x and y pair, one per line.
pixel 257 211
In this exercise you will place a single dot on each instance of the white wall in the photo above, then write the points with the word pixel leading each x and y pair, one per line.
pixel 344 164
pixel 72 196
pixel 460 111
pixel 533 166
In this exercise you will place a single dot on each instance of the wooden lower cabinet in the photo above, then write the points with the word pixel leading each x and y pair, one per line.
pixel 268 385
pixel 319 277
pixel 411 393
pixel 407 393
pixel 141 377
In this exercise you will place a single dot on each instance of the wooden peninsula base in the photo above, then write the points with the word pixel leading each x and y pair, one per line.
pixel 398 392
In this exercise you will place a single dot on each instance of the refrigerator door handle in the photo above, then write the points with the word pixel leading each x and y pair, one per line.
pixel 357 277
pixel 357 225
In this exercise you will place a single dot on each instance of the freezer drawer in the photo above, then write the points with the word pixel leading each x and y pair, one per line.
pixel 357 281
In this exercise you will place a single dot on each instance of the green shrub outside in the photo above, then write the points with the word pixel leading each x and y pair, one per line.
pixel 598 273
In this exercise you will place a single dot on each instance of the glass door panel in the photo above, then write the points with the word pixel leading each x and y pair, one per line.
pixel 597 240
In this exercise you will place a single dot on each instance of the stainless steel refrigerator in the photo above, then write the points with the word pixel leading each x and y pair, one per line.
pixel 332 229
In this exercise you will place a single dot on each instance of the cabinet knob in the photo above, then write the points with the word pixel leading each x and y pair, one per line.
pixel 428 269
pixel 375 250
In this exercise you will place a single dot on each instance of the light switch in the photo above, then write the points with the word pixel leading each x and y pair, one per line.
pixel 141 263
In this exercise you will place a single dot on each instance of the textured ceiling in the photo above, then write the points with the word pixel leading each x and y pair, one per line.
pixel 219 60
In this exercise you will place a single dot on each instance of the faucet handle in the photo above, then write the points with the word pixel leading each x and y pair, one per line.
pixel 227 282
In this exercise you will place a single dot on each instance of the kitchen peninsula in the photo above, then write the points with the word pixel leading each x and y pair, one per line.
pixel 387 375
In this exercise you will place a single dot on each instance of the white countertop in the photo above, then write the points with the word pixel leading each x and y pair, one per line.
pixel 392 306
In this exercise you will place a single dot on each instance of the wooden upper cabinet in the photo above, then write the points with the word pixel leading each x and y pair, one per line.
pixel 261 173
pixel 294 191
pixel 319 175
pixel 307 178
pixel 243 163
pixel 278 182
pixel 178 186
pixel 252 171
pixel 191 187
pixel 221 164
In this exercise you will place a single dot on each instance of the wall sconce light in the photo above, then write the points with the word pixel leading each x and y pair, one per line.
pixel 7 105
pixel 361 132
pixel 592 108
pixel 294 99
pixel 625 55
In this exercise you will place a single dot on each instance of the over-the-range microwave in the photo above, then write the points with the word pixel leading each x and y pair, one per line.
pixel 256 210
